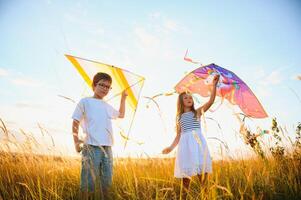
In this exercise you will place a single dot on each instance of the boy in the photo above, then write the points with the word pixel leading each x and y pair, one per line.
pixel 95 116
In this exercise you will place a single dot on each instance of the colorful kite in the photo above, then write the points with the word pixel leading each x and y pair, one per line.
pixel 229 87
pixel 189 59
pixel 122 80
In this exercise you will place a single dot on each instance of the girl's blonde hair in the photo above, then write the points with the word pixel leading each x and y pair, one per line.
pixel 180 109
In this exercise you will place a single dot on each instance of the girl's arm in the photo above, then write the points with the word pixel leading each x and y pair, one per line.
pixel 174 143
pixel 207 105
pixel 122 104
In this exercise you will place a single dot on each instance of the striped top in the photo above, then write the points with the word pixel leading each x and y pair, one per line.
pixel 188 122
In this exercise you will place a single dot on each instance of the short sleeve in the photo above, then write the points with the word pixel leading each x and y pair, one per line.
pixel 79 111
pixel 112 112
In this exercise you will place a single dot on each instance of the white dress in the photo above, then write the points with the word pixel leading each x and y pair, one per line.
pixel 192 155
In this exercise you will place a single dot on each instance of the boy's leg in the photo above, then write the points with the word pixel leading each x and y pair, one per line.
pixel 90 172
pixel 106 172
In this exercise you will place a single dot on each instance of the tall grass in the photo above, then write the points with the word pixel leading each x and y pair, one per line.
pixel 32 176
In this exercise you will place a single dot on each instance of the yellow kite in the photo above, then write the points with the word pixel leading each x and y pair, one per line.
pixel 122 80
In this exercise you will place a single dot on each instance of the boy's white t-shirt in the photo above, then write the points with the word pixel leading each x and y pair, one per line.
pixel 95 117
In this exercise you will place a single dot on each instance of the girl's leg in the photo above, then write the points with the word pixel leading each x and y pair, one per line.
pixel 186 183
pixel 203 178
pixel 203 186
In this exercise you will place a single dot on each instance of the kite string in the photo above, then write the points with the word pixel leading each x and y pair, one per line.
pixel 159 110
pixel 128 134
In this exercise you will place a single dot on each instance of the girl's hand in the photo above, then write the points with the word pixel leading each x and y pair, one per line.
pixel 215 79
pixel 167 150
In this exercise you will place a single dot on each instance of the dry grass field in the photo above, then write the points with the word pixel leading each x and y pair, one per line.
pixel 32 176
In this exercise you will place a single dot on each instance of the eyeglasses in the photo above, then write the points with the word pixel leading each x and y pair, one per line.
pixel 108 87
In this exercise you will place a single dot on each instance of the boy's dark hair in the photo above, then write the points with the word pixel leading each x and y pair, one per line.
pixel 101 76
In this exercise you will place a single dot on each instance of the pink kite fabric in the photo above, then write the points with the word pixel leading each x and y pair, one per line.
pixel 229 87
pixel 189 59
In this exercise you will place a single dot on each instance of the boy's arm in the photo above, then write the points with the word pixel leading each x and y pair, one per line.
pixel 75 126
pixel 122 104
pixel 207 105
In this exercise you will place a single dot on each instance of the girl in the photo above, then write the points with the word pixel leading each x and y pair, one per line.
pixel 192 157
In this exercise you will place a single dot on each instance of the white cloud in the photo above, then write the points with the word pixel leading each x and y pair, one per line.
pixel 163 24
pixel 262 92
pixel 295 77
pixel 28 82
pixel 260 72
pixel 96 30
pixel 3 72
pixel 145 37
pixel 30 105
pixel 155 15
pixel 49 2
pixel 170 25
pixel 274 78
pixel 156 32
pixel 20 79
pixel 79 16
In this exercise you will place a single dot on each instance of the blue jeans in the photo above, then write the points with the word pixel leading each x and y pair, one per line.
pixel 97 168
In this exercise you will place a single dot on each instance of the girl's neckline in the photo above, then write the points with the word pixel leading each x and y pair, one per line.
pixel 187 112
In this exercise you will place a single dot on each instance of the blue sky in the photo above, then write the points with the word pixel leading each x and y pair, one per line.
pixel 258 40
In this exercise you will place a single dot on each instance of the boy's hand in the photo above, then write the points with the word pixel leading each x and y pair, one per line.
pixel 78 146
pixel 215 79
pixel 124 94
pixel 167 150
